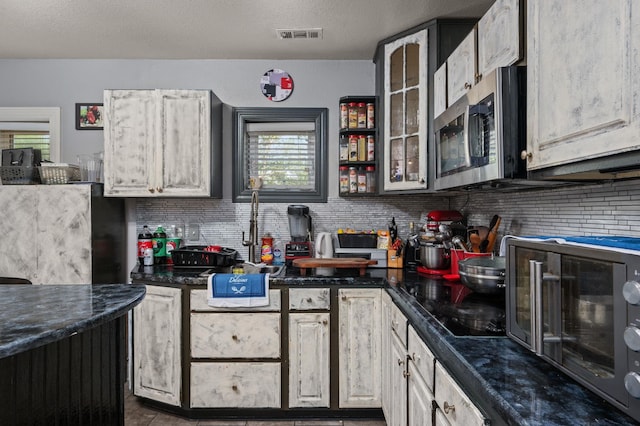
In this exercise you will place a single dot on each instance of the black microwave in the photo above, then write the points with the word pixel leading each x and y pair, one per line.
pixel 575 302
pixel 478 139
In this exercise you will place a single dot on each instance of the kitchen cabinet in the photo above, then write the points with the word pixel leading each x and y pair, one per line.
pixel 405 66
pixel 358 146
pixel 461 68
pixel 359 345
pixel 420 380
pixel 454 403
pixel 500 39
pixel 583 87
pixel 61 234
pixel 157 345
pixel 440 103
pixel 161 143
pixel 394 359
pixel 309 370
pixel 235 354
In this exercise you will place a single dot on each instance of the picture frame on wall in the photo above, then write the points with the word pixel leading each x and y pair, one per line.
pixel 89 116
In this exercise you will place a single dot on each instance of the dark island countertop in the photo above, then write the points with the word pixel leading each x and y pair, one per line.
pixel 509 383
pixel 35 315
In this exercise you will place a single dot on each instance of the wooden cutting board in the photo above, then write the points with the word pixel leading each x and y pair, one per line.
pixel 333 262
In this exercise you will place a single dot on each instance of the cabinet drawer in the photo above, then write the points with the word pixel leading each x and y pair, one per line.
pixel 235 385
pixel 309 299
pixel 454 403
pixel 421 357
pixel 244 335
pixel 398 323
pixel 198 300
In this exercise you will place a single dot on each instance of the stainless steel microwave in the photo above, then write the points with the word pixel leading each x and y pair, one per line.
pixel 478 139
pixel 576 304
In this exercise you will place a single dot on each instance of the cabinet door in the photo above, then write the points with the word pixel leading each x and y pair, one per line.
pixel 64 234
pixel 457 407
pixel 19 240
pixel 359 347
pixel 405 113
pixel 157 344
pixel 309 360
pixel 419 397
pixel 398 407
pixel 130 143
pixel 309 299
pixel 184 131
pixel 440 90
pixel 583 89
pixel 235 385
pixel 461 68
pixel 386 355
pixel 499 36
pixel 241 335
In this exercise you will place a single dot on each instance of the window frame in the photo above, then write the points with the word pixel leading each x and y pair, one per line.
pixel 243 116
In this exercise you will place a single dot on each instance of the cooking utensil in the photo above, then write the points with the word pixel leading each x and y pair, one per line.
pixel 495 220
pixel 475 241
pixel 483 274
pixel 491 238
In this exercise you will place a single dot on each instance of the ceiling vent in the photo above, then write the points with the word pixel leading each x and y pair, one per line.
pixel 309 33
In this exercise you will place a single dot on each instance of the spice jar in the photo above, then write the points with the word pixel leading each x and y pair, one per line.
pixel 371 179
pixel 353 115
pixel 353 148
pixel 344 148
pixel 362 181
pixel 344 115
pixel 362 115
pixel 371 148
pixel 344 179
pixel 371 121
pixel 353 180
pixel 362 148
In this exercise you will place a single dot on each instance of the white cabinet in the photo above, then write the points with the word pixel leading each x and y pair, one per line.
pixel 157 345
pixel 60 234
pixel 499 36
pixel 235 354
pixel 405 112
pixel 157 143
pixel 394 363
pixel 309 343
pixel 440 90
pixel 359 344
pixel 454 403
pixel 461 68
pixel 583 88
pixel 420 368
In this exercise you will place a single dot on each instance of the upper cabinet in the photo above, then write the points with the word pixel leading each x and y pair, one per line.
pixel 161 143
pixel 405 65
pixel 405 130
pixel 500 40
pixel 583 90
pixel 461 68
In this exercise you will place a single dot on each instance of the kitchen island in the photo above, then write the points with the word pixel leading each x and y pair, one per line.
pixel 508 384
pixel 62 353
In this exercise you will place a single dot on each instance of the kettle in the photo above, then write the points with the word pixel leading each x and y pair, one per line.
pixel 324 245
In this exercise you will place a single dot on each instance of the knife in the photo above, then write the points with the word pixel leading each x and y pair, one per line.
pixel 495 220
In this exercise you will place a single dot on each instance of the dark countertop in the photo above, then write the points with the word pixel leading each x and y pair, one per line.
pixel 35 315
pixel 508 382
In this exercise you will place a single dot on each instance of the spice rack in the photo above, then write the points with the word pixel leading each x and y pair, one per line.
pixel 358 151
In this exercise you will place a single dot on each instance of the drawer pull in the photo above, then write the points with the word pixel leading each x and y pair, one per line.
pixel 325 322
pixel 448 408
pixel 159 189
pixel 234 338
pixel 405 374
pixel 151 190
pixel 309 300
pixel 467 85
pixel 400 361
pixel 234 388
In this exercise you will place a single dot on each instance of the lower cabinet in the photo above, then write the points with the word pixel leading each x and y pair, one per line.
pixel 309 348
pixel 157 345
pixel 359 347
pixel 454 403
pixel 420 381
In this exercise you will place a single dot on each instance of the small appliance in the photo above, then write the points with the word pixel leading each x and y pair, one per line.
pixel 300 231
pixel 575 302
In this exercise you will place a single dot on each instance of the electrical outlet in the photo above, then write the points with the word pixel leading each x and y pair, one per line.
pixel 193 232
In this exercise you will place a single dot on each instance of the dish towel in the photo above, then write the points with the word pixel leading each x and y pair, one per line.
pixel 238 290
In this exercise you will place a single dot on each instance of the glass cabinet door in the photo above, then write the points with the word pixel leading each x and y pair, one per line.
pixel 405 135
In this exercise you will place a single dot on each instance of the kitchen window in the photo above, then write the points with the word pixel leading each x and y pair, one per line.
pixel 37 128
pixel 282 151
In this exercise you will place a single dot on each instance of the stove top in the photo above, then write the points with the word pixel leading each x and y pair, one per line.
pixel 457 308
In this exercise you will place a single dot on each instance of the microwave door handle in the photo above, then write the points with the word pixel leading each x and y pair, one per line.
pixel 467 146
pixel 537 328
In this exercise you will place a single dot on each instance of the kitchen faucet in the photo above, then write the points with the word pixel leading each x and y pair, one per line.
pixel 253 228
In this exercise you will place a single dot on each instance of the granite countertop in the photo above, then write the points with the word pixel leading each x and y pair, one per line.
pixel 35 315
pixel 508 382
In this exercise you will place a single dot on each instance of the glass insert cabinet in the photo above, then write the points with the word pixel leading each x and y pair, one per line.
pixel 405 118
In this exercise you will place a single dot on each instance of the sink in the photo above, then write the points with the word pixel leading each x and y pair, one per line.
pixel 273 270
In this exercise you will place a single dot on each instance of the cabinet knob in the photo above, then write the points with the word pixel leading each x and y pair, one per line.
pixel 151 190
pixel 448 408
pixel 234 388
pixel 478 77
pixel 400 361
pixel 234 337
pixel 309 300
pixel 344 298
pixel 159 189
pixel 405 374
pixel 325 322
pixel 524 155
pixel 467 85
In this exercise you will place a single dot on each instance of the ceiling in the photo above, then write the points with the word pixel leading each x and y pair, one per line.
pixel 211 29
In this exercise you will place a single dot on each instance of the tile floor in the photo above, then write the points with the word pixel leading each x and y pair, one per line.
pixel 137 414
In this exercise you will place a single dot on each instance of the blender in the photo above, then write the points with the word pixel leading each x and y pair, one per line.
pixel 300 231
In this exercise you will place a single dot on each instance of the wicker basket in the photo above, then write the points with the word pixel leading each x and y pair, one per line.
pixel 19 175
pixel 54 173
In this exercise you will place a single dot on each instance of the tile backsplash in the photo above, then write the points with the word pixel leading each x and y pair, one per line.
pixel 611 208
